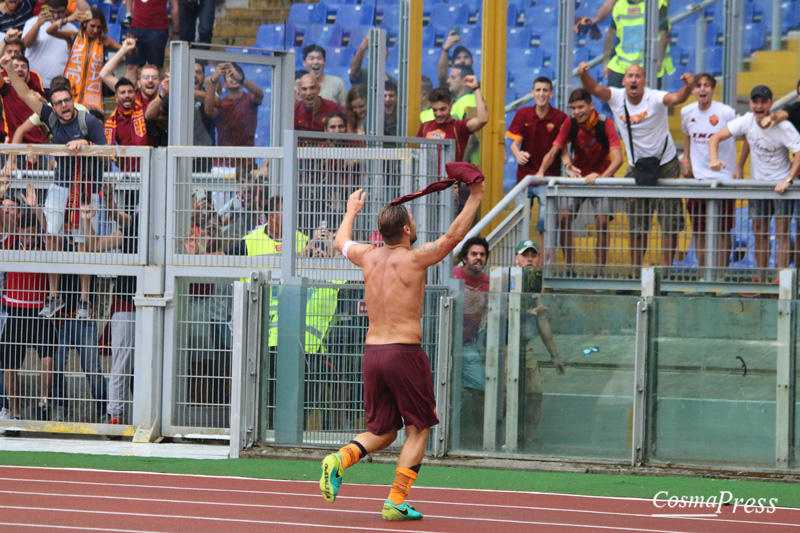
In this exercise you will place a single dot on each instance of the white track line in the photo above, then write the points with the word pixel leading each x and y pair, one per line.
pixel 384 526
pixel 418 487
pixel 76 528
pixel 715 518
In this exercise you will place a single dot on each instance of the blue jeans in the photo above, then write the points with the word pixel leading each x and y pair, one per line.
pixel 199 14
pixel 81 335
pixel 538 192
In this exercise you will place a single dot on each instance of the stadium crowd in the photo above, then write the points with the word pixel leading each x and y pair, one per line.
pixel 57 72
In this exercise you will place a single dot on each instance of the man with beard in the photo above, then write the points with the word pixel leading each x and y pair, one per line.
pixel 311 110
pixel 648 136
pixel 474 255
pixel 398 385
pixel 146 92
pixel 699 121
pixel 596 153
pixel 445 126
pixel 770 147
pixel 532 132
pixel 76 129
pixel 126 125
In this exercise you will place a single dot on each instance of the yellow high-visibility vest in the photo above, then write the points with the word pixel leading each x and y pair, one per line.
pixel 629 19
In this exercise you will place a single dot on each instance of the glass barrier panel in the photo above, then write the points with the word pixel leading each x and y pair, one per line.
pixel 578 404
pixel 714 381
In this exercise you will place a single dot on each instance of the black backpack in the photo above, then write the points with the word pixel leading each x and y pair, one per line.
pixel 599 133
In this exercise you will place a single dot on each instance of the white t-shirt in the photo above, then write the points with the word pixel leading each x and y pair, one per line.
pixel 699 126
pixel 649 124
pixel 47 55
pixel 333 88
pixel 769 148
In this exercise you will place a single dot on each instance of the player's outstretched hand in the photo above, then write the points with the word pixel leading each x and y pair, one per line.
pixel 356 201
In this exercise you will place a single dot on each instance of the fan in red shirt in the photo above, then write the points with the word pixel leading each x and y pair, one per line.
pixel 15 111
pixel 126 126
pixel 23 297
pixel 532 132
pixel 445 126
pixel 310 111
pixel 596 153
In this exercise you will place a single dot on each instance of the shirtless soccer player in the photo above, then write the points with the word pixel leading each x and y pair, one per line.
pixel 398 385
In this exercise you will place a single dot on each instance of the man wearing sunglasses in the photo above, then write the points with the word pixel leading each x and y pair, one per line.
pixel 527 257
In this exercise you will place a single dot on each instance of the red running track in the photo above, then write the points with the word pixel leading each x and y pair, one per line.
pixel 36 499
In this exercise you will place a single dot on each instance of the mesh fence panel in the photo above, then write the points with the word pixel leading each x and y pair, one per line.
pixel 203 352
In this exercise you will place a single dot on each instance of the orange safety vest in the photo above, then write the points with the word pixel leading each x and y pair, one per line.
pixel 83 71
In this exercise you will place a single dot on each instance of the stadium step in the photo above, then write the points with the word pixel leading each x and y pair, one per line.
pixel 238 25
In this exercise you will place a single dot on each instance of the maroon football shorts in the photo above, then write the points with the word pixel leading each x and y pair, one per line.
pixel 398 388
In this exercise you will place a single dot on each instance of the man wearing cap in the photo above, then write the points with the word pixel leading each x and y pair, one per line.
pixel 769 147
pixel 527 257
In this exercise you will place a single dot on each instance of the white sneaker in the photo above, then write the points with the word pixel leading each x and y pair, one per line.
pixel 5 414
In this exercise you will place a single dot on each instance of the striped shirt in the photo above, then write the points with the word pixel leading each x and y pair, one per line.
pixel 18 18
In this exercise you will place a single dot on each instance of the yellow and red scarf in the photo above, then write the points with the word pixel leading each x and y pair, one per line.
pixel 138 124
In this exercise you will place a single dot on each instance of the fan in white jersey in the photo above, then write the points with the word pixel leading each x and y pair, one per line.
pixel 770 149
pixel 699 121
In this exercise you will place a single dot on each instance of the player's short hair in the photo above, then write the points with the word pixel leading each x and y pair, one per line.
pixel 275 204
pixel 705 75
pixel 313 48
pixel 580 94
pixel 29 220
pixel 58 4
pixel 122 82
pixel 543 79
pixel 332 115
pixel 22 58
pixel 461 48
pixel 391 86
pixel 59 83
pixel 16 42
pixel 440 95
pixel 466 70
pixel 391 220
pixel 472 241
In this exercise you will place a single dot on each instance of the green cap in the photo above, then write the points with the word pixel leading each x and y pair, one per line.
pixel 526 245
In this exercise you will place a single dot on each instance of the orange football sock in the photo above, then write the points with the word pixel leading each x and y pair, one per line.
pixel 351 454
pixel 403 479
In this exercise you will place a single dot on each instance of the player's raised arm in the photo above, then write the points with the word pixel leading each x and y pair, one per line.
pixel 431 253
pixel 349 248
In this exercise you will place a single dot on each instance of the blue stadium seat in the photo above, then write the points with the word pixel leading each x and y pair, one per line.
pixel 106 9
pixel 541 16
pixel 339 72
pixel 430 36
pixel 580 55
pixel 684 32
pixel 325 35
pixel 353 35
pixel 387 15
pixel 471 36
pixel 545 36
pixel 713 13
pixel 518 38
pixel 714 61
pixel 308 14
pixel 763 12
pixel 338 57
pixel 525 59
pixel 122 11
pixel 115 31
pixel 754 36
pixel 355 15
pixel 430 61
pixel 713 36
pixel 513 16
pixel 523 80
pixel 448 15
pixel 791 13
pixel 271 37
